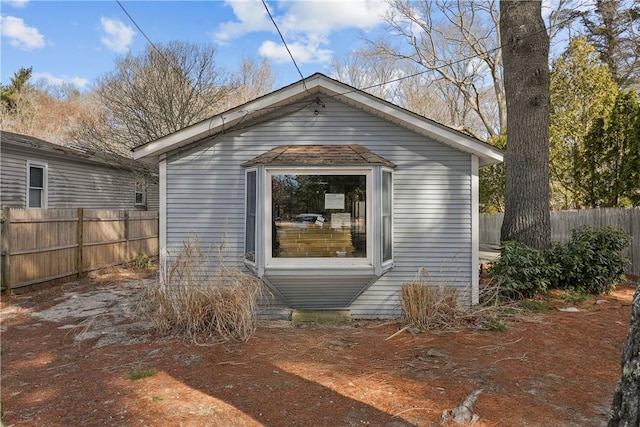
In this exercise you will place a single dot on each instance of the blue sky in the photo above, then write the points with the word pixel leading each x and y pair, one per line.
pixel 78 41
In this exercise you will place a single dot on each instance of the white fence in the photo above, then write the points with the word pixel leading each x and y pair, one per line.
pixel 562 222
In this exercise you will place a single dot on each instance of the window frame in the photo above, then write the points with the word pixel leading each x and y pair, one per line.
pixel 386 262
pixel 44 199
pixel 316 262
pixel 143 191
pixel 253 260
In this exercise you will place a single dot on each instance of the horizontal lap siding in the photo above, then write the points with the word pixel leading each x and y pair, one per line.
pixel 71 183
pixel 432 194
pixel 13 175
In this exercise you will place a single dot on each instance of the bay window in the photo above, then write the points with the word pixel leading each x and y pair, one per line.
pixel 327 208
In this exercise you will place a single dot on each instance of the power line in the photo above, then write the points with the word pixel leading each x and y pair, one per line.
pixel 133 21
pixel 285 43
pixel 162 54
pixel 469 58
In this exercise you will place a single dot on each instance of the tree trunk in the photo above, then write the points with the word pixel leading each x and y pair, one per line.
pixel 625 410
pixel 525 55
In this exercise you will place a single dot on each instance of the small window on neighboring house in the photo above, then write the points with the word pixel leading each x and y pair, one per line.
pixel 36 186
pixel 141 193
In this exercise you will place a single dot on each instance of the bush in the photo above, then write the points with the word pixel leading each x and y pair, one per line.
pixel 593 261
pixel 196 304
pixel 426 306
pixel 521 271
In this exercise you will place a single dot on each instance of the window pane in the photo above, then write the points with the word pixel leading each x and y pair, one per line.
pixel 35 198
pixel 387 240
pixel 36 177
pixel 250 231
pixel 141 191
pixel 319 216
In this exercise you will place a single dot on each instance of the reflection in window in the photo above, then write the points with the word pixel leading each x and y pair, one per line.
pixel 250 231
pixel 319 216
pixel 387 241
pixel 141 193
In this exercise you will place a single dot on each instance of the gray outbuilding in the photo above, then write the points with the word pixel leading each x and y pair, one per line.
pixel 332 196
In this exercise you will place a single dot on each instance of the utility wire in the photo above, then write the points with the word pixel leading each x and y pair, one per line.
pixel 469 58
pixel 170 63
pixel 284 42
pixel 138 27
pixel 477 55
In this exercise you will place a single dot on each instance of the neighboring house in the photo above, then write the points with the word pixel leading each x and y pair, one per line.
pixel 38 174
pixel 334 197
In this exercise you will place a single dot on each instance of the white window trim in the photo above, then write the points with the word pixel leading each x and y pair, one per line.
pixel 143 191
pixel 387 264
pixel 251 263
pixel 45 183
pixel 306 263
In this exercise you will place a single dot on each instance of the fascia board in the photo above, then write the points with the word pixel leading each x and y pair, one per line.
pixel 486 154
pixel 219 123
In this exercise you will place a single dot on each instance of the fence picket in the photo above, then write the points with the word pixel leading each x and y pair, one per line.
pixel 562 222
pixel 46 245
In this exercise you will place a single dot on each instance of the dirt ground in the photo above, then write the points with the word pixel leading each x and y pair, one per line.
pixel 68 353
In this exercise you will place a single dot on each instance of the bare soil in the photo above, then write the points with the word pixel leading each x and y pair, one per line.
pixel 68 352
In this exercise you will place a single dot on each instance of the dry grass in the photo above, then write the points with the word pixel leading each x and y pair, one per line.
pixel 426 306
pixel 200 305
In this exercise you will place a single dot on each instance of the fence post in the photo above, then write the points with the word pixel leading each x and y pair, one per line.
pixel 5 276
pixel 127 248
pixel 80 240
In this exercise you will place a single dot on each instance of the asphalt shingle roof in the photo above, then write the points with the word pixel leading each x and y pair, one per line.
pixel 319 155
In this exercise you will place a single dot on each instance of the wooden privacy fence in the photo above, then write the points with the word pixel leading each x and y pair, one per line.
pixel 49 245
pixel 562 222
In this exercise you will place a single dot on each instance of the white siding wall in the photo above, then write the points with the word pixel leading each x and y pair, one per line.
pixel 432 194
pixel 71 183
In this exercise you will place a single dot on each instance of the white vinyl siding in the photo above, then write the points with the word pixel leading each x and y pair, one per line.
pixel 431 195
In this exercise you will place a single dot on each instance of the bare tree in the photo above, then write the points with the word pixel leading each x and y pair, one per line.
pixel 372 73
pixel 253 80
pixel 525 51
pixel 43 110
pixel 160 91
pixel 457 44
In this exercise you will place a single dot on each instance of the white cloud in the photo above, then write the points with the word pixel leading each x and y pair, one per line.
pixel 78 82
pixel 322 17
pixel 305 25
pixel 302 53
pixel 19 34
pixel 252 17
pixel 118 36
pixel 18 4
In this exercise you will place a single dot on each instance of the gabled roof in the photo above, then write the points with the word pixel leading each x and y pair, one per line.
pixel 76 154
pixel 319 155
pixel 318 84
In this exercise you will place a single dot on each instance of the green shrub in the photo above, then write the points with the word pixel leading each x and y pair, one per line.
pixel 521 271
pixel 593 261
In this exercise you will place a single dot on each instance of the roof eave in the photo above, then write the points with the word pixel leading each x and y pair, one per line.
pixel 221 122
pixel 315 84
